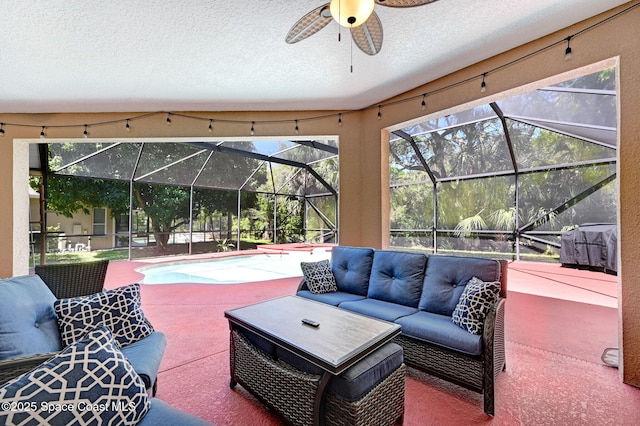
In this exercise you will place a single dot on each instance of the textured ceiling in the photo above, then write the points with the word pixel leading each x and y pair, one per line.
pixel 192 55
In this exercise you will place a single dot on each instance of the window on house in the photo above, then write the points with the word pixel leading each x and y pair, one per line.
pixel 122 224
pixel 99 221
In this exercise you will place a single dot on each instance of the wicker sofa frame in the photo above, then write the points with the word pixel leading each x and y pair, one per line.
pixel 12 368
pixel 291 392
pixel 66 280
pixel 477 373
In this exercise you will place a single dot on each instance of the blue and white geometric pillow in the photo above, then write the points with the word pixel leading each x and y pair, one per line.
pixel 475 302
pixel 119 309
pixel 319 276
pixel 88 383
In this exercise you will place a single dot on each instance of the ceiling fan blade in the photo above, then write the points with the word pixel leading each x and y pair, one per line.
pixel 403 3
pixel 309 24
pixel 368 36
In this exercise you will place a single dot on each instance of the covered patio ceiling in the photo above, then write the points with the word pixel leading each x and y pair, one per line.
pixel 205 55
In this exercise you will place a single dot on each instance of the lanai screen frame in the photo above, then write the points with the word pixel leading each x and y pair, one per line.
pixel 317 151
pixel 603 135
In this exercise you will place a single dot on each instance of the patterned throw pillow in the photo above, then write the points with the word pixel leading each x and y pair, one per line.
pixel 118 309
pixel 88 383
pixel 475 302
pixel 319 276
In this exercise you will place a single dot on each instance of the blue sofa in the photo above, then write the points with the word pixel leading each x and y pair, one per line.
pixel 420 292
pixel 29 337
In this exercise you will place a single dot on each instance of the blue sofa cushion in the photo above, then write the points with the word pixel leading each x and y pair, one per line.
pixel 163 414
pixel 361 377
pixel 334 298
pixel 446 278
pixel 89 382
pixel 27 320
pixel 120 310
pixel 380 309
pixel 477 299
pixel 145 356
pixel 397 277
pixel 439 329
pixel 351 268
pixel 319 276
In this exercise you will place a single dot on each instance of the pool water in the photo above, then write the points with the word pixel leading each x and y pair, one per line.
pixel 230 270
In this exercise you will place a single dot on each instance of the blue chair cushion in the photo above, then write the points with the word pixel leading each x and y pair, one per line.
pixel 145 356
pixel 27 320
pixel 361 377
pixel 379 309
pixel 439 329
pixel 397 277
pixel 163 414
pixel 334 298
pixel 119 309
pixel 446 278
pixel 89 382
pixel 351 268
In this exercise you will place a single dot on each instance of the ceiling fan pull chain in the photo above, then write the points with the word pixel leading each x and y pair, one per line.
pixel 352 55
pixel 339 26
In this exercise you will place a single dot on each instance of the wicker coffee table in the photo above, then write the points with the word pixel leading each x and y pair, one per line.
pixel 340 339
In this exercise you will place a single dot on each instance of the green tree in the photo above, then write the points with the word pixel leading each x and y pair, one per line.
pixel 161 190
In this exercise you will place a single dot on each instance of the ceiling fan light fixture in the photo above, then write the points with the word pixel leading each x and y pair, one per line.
pixel 351 13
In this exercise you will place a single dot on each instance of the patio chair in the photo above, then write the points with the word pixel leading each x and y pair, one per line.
pixel 74 279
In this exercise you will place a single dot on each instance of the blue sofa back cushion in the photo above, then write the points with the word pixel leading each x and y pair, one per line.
pixel 27 321
pixel 351 268
pixel 397 277
pixel 446 278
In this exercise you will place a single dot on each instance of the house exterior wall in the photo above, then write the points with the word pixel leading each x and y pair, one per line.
pixel 78 230
pixel 364 181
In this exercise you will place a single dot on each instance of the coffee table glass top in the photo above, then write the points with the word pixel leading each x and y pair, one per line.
pixel 340 337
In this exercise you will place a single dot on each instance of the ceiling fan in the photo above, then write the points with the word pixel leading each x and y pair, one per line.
pixel 357 15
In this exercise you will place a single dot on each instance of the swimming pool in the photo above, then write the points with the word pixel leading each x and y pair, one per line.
pixel 230 270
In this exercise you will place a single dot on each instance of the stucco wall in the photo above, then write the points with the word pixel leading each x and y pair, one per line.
pixel 364 208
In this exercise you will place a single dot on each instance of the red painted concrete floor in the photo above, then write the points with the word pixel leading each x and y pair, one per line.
pixel 558 322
